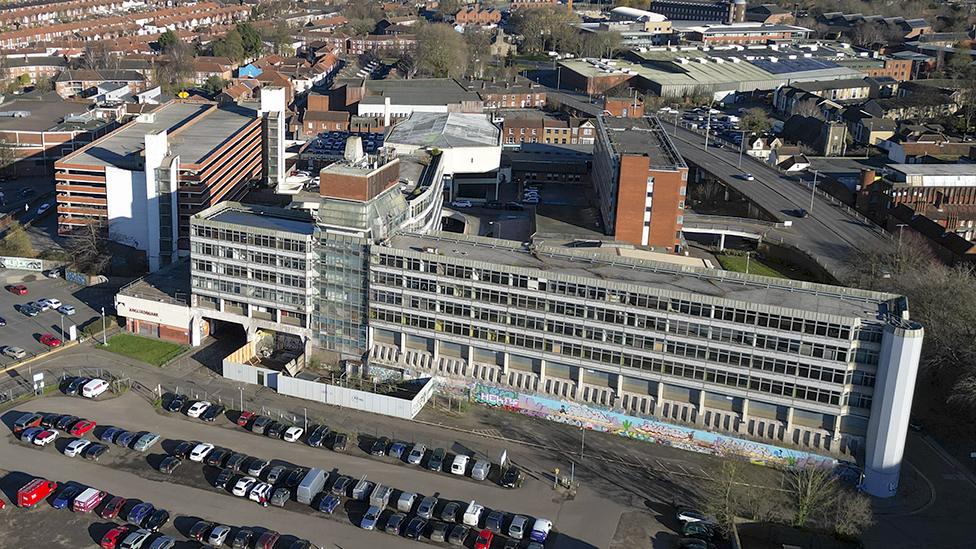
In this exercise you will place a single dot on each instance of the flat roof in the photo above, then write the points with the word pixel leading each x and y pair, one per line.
pixel 260 217
pixel 445 130
pixel 171 284
pixel 418 91
pixel 643 136
pixel 43 115
pixel 123 147
pixel 789 295
pixel 934 169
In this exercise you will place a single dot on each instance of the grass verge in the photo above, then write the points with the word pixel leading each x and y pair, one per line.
pixel 737 263
pixel 151 351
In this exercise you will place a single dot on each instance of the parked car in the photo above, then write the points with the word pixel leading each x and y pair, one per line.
pixel 317 435
pixel 65 422
pixel 280 497
pixel 163 542
pixel 292 434
pixel 275 474
pixel 415 528
pixel 237 462
pixel 329 503
pixel 261 493
pixel 75 447
pixel 75 385
pixel 218 535
pixel 94 451
pixel 485 537
pixel 169 464
pixel 495 521
pixel 243 486
pixel 450 511
pixel 14 352
pixel 436 461
pixel 379 446
pixel 687 514
pixel 176 403
pixel 406 501
pixel 459 533
pixel 218 457
pixel 426 507
pixel 439 531
pixel 50 340
pixel 397 450
pixel 49 303
pixel 274 430
pixel 460 464
pixel 511 478
pixel 243 538
pixel 260 424
pixel 49 421
pixel 267 540
pixel 156 520
pixel 29 434
pixel 138 514
pixel 125 438
pixel 244 418
pixel 416 454
pixel 17 289
pixel 183 449
pixel 45 437
pixel 112 508
pixel 223 478
pixel 200 452
pixel 197 408
pixel 67 310
pixel 145 442
pixel 256 467
pixel 339 441
pixel 114 537
pixel 395 524
pixel 66 496
pixel 81 427
pixel 540 530
pixel 295 477
pixel 481 469
pixel 212 412
pixel 341 486
pixel 108 435
pixel 517 529
pixel 200 529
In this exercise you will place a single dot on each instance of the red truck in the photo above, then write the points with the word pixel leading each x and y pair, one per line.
pixel 35 491
pixel 88 500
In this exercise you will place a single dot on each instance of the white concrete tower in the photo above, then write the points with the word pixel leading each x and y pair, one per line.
pixel 901 347
pixel 272 111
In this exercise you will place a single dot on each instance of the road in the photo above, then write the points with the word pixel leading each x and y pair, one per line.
pixel 830 234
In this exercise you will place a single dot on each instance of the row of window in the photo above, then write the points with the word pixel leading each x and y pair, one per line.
pixel 243 237
pixel 643 301
pixel 273 295
pixel 699 372
pixel 250 273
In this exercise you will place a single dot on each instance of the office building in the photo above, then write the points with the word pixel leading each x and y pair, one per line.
pixel 721 11
pixel 817 366
pixel 640 181
pixel 144 180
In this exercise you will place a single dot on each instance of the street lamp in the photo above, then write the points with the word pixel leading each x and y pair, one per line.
pixel 103 327
pixel 813 189
pixel 742 144
pixel 242 397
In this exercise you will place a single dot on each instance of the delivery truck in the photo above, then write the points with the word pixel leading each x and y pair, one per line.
pixel 34 491
pixel 87 500
pixel 311 484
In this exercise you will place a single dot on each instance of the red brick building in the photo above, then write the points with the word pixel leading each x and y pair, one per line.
pixel 478 16
pixel 537 127
pixel 624 107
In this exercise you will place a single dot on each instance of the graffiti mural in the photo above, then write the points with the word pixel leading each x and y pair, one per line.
pixel 649 430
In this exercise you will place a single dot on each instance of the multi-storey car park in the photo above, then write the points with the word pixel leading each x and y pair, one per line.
pixel 819 366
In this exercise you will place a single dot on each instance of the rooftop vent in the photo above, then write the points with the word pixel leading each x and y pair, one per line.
pixel 354 149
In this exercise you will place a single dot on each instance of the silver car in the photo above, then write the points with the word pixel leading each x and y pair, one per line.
pixel 416 454
pixel 164 542
pixel 370 518
pixel 426 507
pixel 14 352
pixel 145 442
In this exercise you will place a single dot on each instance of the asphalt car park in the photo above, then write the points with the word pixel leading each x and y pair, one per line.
pixel 190 479
pixel 25 332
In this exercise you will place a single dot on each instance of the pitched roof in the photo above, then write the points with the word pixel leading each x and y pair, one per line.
pixel 84 75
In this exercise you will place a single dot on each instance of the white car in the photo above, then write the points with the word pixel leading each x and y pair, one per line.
pixel 218 535
pixel 75 447
pixel 45 437
pixel 51 302
pixel 748 177
pixel 66 310
pixel 261 492
pixel 292 434
pixel 243 486
pixel 198 408
pixel 14 352
pixel 200 451
pixel 461 204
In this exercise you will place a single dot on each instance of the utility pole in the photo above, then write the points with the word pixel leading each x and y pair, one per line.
pixel 742 144
pixel 708 125
pixel 582 441
pixel 748 256
pixel 103 327
pixel 813 189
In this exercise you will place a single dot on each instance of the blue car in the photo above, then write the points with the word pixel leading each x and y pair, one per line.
pixel 125 438
pixel 329 503
pixel 66 496
pixel 108 435
pixel 397 450
pixel 139 513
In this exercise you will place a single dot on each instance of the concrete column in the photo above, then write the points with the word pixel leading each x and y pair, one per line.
pixel 437 351
pixel 195 323
pixel 277 316
pixel 721 241
pixel 470 356
pixel 658 398
pixel 789 421
pixel 220 304
pixel 701 407
pixel 506 362
pixel 401 341
pixel 542 371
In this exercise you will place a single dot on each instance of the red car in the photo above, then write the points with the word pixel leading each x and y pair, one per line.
pixel 112 508
pixel 244 418
pixel 81 427
pixel 50 340
pixel 484 539
pixel 114 537
pixel 17 289
pixel 267 540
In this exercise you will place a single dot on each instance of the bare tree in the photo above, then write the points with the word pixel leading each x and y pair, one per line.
pixel 852 514
pixel 7 155
pixel 809 108
pixel 721 495
pixel 813 490
pixel 88 245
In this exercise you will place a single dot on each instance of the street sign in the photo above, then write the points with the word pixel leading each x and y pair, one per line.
pixel 38 382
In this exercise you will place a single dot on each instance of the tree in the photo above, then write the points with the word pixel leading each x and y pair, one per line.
pixel 23 80
pixel 280 38
pixel 250 39
pixel 167 40
pixel 755 120
pixel 721 495
pixel 441 52
pixel 88 245
pixel 175 72
pixel 547 28
pixel 16 243
pixel 449 7
pixel 960 65
pixel 808 108
pixel 813 491
pixel 852 514
pixel 7 155
pixel 230 46
pixel 215 84
pixel 44 84
pixel 407 65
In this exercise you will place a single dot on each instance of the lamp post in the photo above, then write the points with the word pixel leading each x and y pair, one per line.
pixel 813 189
pixel 742 145
pixel 242 397
pixel 582 441
pixel 103 326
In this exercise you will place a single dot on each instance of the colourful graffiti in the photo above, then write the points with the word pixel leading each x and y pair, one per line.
pixel 649 430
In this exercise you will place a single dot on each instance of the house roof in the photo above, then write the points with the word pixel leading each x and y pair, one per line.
pixel 85 75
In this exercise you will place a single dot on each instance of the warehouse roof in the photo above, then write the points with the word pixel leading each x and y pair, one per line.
pixel 445 130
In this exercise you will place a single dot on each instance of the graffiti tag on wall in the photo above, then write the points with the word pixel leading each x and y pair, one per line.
pixel 649 430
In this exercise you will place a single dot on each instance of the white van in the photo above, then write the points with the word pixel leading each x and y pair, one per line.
pixel 540 530
pixel 406 501
pixel 94 388
pixel 460 464
pixel 472 515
